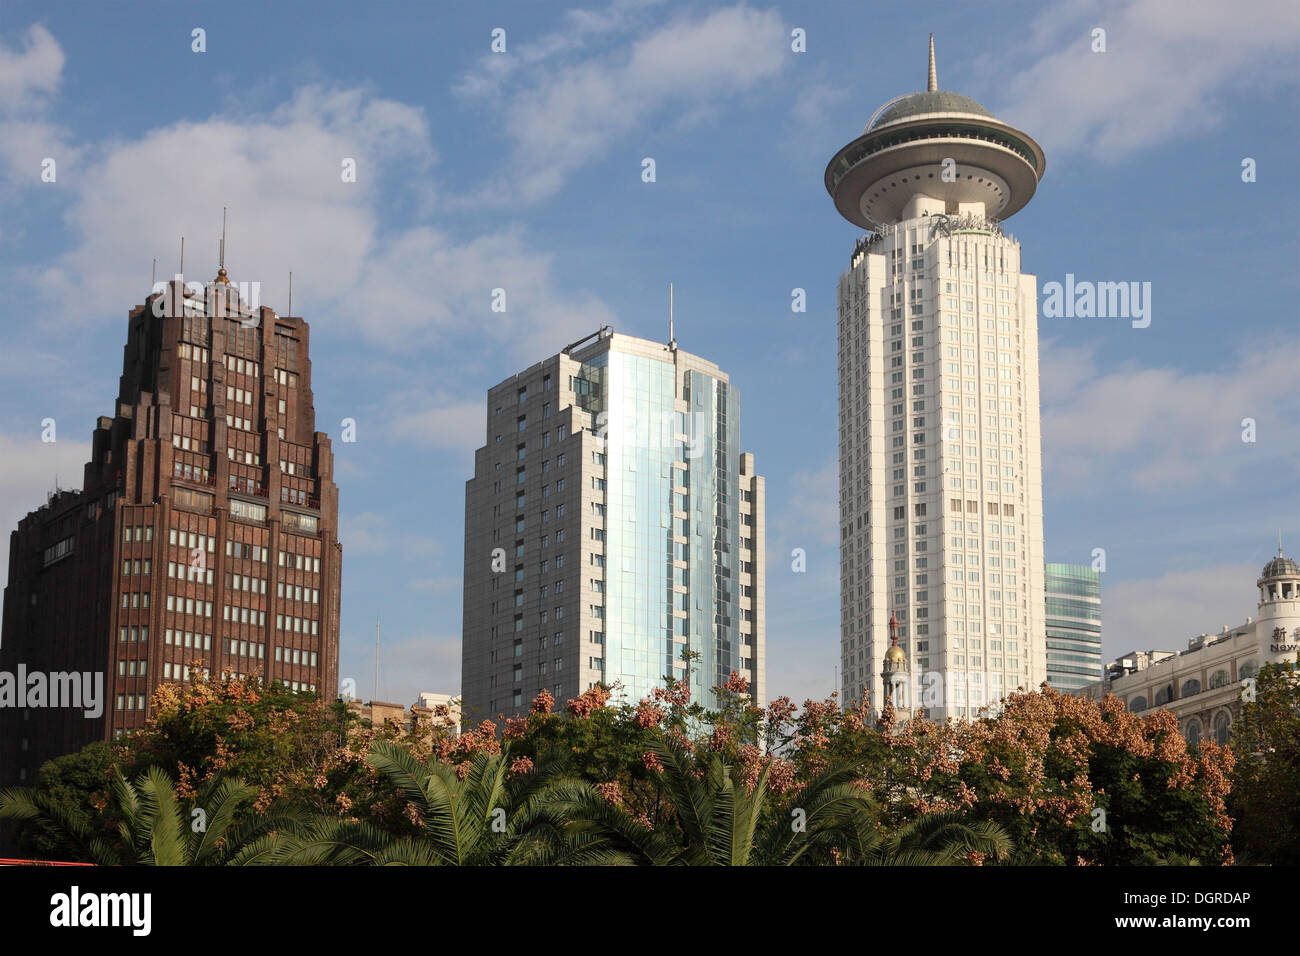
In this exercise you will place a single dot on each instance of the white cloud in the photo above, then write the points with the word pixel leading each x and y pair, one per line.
pixel 1159 428
pixel 493 70
pixel 438 586
pixel 29 81
pixel 567 118
pixel 28 77
pixel 369 532
pixel 407 666
pixel 810 122
pixel 455 426
pixel 279 173
pixel 29 470
pixel 810 517
pixel 1166 65
pixel 803 607
pixel 280 176
pixel 423 284
pixel 1162 613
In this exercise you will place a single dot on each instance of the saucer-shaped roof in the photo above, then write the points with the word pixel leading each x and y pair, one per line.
pixel 928 101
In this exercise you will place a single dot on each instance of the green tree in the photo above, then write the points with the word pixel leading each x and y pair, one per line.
pixel 492 809
pixel 1266 778
pixel 156 827
pixel 65 789
pixel 727 815
pixel 935 839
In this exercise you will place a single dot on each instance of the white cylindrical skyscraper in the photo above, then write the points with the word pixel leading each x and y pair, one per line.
pixel 941 503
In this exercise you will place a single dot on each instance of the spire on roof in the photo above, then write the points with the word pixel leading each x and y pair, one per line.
pixel 933 85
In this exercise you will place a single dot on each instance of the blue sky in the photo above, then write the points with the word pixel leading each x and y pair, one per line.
pixel 522 170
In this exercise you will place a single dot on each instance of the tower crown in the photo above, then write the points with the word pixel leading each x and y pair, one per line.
pixel 939 144
pixel 1281 566
pixel 895 656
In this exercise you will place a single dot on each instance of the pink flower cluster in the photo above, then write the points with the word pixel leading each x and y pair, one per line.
pixel 589 702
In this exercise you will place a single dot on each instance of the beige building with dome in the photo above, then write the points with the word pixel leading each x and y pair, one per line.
pixel 1204 685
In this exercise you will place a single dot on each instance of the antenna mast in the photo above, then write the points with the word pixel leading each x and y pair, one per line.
pixel 221 255
pixel 375 697
pixel 672 338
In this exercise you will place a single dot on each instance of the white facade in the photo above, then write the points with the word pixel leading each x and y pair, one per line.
pixel 941 496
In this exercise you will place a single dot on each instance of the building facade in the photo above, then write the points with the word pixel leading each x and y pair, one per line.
pixel 445 707
pixel 1073 626
pixel 941 506
pixel 205 533
pixel 1204 685
pixel 613 529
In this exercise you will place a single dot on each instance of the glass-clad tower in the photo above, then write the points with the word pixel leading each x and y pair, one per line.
pixel 614 531
pixel 941 504
pixel 1073 626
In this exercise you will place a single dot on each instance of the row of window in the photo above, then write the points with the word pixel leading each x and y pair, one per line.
pixel 197 608
pixel 244 615
pixel 189 572
pixel 178 638
pixel 186 443
pixel 251 552
pixel 242 582
pixel 517 698
pixel 555 666
pixel 137 533
pixel 287 655
pixel 299 562
pixel 296 592
pixel 546 436
pixel 299 625
pixel 193 541
pixel 243 366
pixel 183 469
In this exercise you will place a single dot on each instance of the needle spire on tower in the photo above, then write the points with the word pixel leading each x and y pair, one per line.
pixel 933 84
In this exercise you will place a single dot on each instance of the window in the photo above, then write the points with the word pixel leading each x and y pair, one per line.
pixel 1222 728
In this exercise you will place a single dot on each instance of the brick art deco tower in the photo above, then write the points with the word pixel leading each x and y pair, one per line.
pixel 206 530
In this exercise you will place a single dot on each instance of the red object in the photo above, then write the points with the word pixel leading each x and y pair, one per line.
pixel 8 862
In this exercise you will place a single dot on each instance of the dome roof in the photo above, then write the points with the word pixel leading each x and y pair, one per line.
pixel 1279 566
pixel 895 655
pixel 930 101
